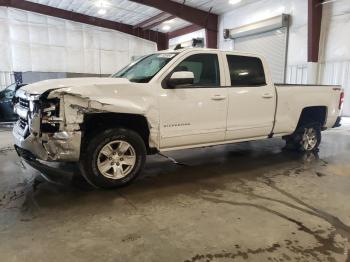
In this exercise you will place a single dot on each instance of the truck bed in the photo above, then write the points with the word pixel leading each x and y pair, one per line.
pixel 292 98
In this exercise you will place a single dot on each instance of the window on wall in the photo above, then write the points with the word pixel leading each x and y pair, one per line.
pixel 246 71
pixel 205 68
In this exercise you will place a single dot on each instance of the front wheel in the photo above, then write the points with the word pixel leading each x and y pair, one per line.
pixel 306 138
pixel 113 158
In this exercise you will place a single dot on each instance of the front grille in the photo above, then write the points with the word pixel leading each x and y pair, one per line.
pixel 22 123
pixel 24 103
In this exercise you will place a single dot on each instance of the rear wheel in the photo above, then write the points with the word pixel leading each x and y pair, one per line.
pixel 113 158
pixel 306 138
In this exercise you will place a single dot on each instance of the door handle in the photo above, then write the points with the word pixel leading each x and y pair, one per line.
pixel 218 97
pixel 267 95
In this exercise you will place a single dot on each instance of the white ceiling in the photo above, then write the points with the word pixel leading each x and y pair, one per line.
pixel 218 6
pixel 123 11
pixel 128 12
pixel 175 24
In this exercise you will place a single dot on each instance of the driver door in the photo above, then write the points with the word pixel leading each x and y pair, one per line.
pixel 194 114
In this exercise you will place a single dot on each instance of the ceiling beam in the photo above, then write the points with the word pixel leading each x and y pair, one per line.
pixel 190 14
pixel 159 22
pixel 151 19
pixel 160 38
pixel 314 28
pixel 183 31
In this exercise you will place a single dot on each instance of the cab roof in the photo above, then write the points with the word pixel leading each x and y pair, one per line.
pixel 211 49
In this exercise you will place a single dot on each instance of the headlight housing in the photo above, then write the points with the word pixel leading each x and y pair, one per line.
pixel 33 99
pixel 50 116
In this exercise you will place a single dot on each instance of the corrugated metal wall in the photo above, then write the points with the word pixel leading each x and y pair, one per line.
pixel 337 73
pixel 272 45
pixel 34 42
pixel 334 48
pixel 296 74
pixel 330 73
pixel 6 78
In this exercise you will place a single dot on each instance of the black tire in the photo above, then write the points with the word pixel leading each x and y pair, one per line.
pixel 296 141
pixel 90 152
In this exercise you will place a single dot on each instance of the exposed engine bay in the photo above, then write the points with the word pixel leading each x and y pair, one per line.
pixel 42 128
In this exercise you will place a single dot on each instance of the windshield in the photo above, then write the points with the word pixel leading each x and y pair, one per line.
pixel 144 69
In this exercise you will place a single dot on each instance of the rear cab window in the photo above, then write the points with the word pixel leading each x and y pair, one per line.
pixel 246 71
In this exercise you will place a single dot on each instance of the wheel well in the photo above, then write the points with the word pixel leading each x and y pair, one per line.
pixel 96 122
pixel 316 114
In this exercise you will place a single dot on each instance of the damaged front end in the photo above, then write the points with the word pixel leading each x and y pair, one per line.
pixel 42 128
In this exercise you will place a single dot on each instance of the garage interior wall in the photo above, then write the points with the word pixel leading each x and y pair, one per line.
pixel 296 71
pixel 272 45
pixel 335 48
pixel 6 78
pixel 40 43
pixel 186 38
pixel 334 53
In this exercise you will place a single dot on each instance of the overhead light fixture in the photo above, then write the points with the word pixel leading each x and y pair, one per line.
pixel 101 11
pixel 169 21
pixel 327 2
pixel 166 28
pixel 102 3
pixel 234 2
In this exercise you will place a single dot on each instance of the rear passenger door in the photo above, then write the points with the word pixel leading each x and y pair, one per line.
pixel 252 98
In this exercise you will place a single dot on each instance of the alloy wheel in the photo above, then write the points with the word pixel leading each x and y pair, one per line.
pixel 116 159
pixel 309 139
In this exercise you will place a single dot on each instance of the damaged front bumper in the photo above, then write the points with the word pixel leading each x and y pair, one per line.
pixel 41 130
pixel 51 174
pixel 61 146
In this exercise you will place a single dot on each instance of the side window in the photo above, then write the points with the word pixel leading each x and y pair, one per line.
pixel 205 68
pixel 246 71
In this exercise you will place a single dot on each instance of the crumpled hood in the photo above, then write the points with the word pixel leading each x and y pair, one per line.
pixel 81 96
pixel 39 88
pixel 117 95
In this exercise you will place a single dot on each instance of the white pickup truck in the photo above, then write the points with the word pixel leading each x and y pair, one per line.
pixel 166 101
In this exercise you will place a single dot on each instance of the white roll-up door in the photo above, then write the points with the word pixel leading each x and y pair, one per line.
pixel 272 45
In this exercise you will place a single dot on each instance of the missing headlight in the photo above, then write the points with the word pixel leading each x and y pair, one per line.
pixel 50 112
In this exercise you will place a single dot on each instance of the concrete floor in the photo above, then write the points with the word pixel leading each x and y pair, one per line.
pixel 244 202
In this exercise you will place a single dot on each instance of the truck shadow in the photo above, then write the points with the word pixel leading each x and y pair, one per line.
pixel 209 168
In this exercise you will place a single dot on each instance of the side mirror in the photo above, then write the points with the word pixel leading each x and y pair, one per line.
pixel 180 78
